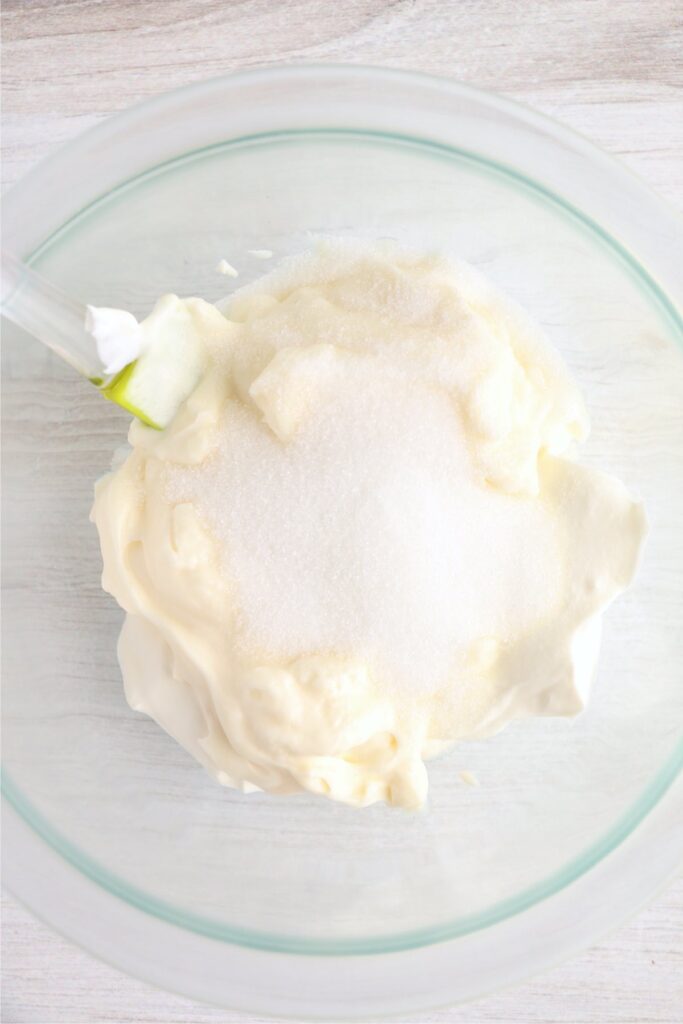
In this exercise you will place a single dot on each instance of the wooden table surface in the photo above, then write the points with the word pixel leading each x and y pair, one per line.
pixel 612 69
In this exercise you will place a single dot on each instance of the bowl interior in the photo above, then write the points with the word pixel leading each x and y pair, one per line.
pixel 122 800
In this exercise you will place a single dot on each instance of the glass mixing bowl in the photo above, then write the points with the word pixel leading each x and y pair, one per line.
pixel 296 905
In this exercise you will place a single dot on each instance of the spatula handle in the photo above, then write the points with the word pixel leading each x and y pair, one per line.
pixel 50 315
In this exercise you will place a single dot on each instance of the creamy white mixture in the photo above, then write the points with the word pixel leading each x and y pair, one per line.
pixel 117 334
pixel 365 535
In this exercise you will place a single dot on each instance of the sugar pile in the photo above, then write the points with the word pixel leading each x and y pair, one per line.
pixel 368 535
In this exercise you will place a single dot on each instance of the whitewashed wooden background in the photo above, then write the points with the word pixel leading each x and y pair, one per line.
pixel 612 69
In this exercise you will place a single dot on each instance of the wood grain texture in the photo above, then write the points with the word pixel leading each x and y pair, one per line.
pixel 612 71
pixel 634 977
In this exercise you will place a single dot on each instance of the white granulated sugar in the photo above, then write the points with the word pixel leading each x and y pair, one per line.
pixel 367 535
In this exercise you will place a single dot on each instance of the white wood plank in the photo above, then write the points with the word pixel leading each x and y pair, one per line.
pixel 635 976
pixel 610 70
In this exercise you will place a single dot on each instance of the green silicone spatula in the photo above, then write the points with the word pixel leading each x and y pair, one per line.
pixel 152 384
